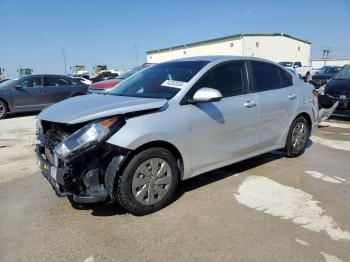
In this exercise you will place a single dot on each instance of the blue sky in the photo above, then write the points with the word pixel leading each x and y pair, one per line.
pixel 33 32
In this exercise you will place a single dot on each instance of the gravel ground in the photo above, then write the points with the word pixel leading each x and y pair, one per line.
pixel 268 208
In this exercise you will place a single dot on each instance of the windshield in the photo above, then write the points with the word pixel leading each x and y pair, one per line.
pixel 344 74
pixel 129 73
pixel 286 64
pixel 6 82
pixel 159 81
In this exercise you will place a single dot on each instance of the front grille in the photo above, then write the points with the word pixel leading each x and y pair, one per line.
pixel 340 97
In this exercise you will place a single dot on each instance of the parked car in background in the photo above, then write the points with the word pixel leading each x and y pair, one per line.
pixel 315 71
pixel 304 71
pixel 35 92
pixel 321 78
pixel 105 75
pixel 3 80
pixel 103 87
pixel 337 89
pixel 83 80
pixel 293 72
pixel 170 122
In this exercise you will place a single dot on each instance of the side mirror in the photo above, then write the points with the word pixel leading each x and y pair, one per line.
pixel 206 94
pixel 18 86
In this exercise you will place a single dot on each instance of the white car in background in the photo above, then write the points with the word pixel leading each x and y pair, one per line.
pixel 304 71
pixel 83 80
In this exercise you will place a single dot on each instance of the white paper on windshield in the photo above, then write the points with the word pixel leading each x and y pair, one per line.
pixel 173 83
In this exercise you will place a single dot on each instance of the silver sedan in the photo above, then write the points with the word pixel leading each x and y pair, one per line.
pixel 170 122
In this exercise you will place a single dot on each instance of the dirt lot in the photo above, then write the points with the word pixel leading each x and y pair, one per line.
pixel 268 208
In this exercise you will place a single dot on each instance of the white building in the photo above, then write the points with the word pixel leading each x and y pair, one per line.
pixel 275 46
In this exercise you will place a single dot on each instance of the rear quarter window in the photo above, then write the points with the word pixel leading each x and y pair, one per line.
pixel 286 78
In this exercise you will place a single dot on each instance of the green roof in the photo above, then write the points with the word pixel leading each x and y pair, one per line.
pixel 224 38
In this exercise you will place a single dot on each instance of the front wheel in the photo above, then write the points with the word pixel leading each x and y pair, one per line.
pixel 3 109
pixel 297 137
pixel 148 182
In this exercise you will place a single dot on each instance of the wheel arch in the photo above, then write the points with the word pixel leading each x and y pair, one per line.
pixel 308 119
pixel 6 103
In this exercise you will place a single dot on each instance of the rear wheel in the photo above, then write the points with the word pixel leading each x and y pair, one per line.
pixel 297 137
pixel 148 182
pixel 3 109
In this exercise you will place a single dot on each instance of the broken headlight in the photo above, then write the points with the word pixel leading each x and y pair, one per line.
pixel 86 137
pixel 39 127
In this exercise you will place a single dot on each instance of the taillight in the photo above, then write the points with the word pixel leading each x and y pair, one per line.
pixel 314 92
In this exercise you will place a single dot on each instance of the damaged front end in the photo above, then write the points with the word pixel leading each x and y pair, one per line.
pixel 75 158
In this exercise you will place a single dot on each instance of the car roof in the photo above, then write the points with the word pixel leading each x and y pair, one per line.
pixel 41 75
pixel 221 57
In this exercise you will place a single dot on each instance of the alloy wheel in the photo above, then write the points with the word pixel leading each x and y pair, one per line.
pixel 2 110
pixel 299 136
pixel 151 181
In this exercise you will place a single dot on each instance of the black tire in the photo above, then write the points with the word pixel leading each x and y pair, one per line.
pixel 123 191
pixel 3 109
pixel 293 150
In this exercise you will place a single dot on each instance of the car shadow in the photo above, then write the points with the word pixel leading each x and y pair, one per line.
pixel 309 143
pixel 100 209
pixel 19 115
pixel 112 209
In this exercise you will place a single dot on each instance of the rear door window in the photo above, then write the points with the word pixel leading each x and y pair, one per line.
pixel 56 81
pixel 266 76
pixel 286 78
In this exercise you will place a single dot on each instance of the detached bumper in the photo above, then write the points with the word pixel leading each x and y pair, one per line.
pixel 92 191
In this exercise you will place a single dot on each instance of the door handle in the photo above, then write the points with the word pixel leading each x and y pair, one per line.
pixel 292 96
pixel 250 104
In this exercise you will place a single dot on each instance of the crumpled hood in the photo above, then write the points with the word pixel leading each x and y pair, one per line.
pixel 89 107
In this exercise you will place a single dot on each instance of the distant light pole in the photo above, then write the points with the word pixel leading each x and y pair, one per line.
pixel 136 52
pixel 64 60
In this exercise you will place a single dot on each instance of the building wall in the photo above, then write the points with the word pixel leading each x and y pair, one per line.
pixel 275 48
pixel 227 47
pixel 333 62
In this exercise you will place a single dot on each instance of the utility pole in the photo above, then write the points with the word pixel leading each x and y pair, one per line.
pixel 325 54
pixel 136 52
pixel 64 60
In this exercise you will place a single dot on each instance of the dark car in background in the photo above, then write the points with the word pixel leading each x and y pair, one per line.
pixel 337 89
pixel 35 92
pixel 321 78
pixel 105 75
